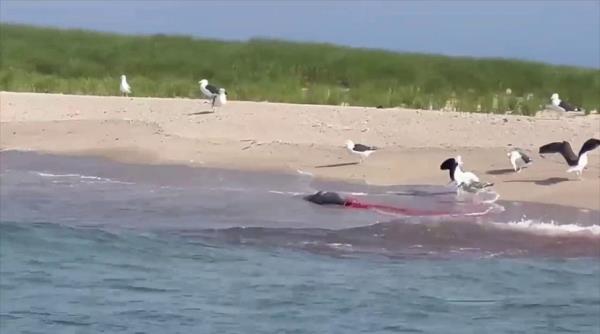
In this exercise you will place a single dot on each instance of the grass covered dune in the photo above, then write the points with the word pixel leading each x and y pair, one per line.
pixel 82 62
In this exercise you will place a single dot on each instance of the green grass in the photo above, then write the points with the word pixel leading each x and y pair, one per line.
pixel 83 62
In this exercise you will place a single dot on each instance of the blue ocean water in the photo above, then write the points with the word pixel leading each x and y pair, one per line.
pixel 88 246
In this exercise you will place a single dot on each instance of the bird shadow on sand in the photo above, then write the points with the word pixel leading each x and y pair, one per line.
pixel 200 113
pixel 338 165
pixel 547 182
pixel 500 171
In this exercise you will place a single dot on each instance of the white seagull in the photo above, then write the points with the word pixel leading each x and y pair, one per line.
pixel 576 162
pixel 464 180
pixel 220 99
pixel 363 151
pixel 518 159
pixel 208 90
pixel 218 96
pixel 124 88
pixel 557 102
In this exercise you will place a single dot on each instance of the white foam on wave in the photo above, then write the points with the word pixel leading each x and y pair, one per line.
pixel 480 197
pixel 301 172
pixel 551 228
pixel 55 175
pixel 83 178
pixel 106 181
pixel 492 208
pixel 341 246
pixel 292 193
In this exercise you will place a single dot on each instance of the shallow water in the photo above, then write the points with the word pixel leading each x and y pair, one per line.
pixel 89 245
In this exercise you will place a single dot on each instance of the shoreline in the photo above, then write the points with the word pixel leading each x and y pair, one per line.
pixel 291 183
pixel 263 136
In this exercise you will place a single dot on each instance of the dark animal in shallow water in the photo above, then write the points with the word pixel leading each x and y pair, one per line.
pixel 325 198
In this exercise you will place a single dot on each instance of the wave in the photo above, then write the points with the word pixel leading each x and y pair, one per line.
pixel 55 175
pixel 410 237
pixel 549 228
pixel 290 193
pixel 301 172
pixel 417 237
pixel 83 178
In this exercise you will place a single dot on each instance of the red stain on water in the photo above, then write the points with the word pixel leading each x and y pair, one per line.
pixel 355 204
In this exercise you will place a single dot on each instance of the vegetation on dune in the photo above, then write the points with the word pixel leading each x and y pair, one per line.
pixel 83 62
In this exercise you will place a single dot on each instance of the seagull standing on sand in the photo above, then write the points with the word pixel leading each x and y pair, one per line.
pixel 220 99
pixel 209 91
pixel 464 180
pixel 218 96
pixel 557 102
pixel 576 162
pixel 124 88
pixel 363 151
pixel 518 159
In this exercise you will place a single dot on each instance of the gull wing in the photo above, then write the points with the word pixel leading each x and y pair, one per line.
pixel 212 89
pixel 564 148
pixel 589 145
pixel 524 156
pixel 363 148
pixel 449 164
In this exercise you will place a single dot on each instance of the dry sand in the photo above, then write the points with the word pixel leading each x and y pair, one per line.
pixel 287 137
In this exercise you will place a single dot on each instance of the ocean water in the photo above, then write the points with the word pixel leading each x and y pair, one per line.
pixel 88 246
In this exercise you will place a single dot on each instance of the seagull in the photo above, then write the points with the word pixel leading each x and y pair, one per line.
pixel 125 88
pixel 464 180
pixel 220 99
pixel 218 96
pixel 208 90
pixel 362 150
pixel 557 102
pixel 518 159
pixel 576 162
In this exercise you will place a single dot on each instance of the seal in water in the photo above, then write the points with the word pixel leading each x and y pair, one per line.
pixel 326 198
pixel 333 198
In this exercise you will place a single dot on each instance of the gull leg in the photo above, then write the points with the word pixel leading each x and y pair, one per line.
pixel 458 191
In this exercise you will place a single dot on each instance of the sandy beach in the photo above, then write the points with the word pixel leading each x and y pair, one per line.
pixel 286 137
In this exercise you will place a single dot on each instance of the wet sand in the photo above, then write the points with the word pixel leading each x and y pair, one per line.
pixel 285 137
